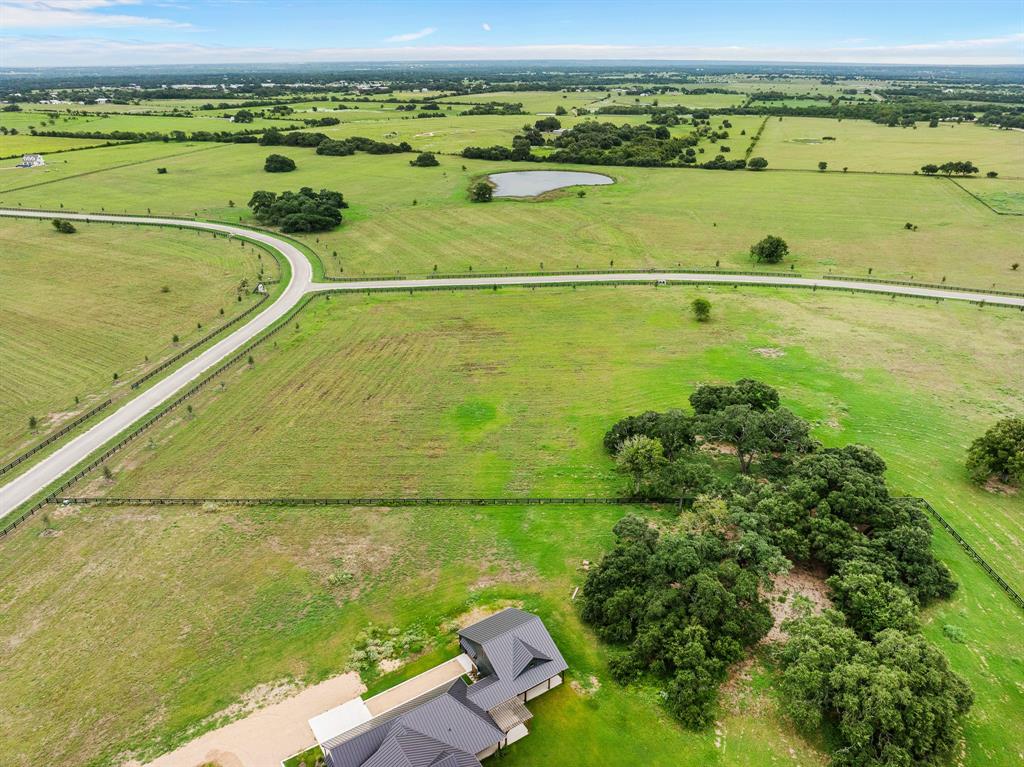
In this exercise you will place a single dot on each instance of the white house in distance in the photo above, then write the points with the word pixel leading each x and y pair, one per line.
pixel 31 161
pixel 455 714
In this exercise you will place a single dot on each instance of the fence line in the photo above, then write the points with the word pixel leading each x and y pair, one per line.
pixel 202 341
pixel 1014 596
pixel 563 273
pixel 146 422
pixel 367 501
pixel 54 437
pixel 984 202
pixel 938 285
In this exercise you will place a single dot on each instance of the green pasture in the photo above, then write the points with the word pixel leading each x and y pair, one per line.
pixel 697 100
pixel 78 308
pixel 229 600
pixel 84 168
pixel 532 101
pixel 474 392
pixel 508 393
pixel 14 147
pixel 861 145
pixel 650 217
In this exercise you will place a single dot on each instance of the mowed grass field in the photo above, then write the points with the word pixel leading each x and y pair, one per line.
pixel 14 147
pixel 508 393
pixel 78 308
pixel 199 610
pixel 407 220
pixel 861 145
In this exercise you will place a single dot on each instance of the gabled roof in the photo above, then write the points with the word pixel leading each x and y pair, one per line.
pixel 519 649
pixel 424 732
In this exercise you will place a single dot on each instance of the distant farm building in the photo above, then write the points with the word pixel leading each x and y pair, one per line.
pixel 31 161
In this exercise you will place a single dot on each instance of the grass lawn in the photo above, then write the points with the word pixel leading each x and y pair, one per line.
pixel 15 146
pixel 533 101
pixel 509 393
pixel 196 609
pixel 83 166
pixel 78 308
pixel 861 145
pixel 651 217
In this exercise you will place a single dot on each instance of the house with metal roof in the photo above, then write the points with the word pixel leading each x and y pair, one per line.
pixel 509 659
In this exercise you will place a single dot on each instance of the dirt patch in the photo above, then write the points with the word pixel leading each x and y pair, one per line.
pixel 994 485
pixel 586 688
pixel 266 736
pixel 387 665
pixel 771 352
pixel 791 593
pixel 258 697
pixel 477 614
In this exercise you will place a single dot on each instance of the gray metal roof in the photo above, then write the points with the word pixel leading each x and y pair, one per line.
pixel 448 726
pixel 439 725
pixel 519 649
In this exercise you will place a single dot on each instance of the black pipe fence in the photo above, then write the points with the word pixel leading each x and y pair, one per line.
pixel 561 273
pixel 932 285
pixel 374 501
pixel 201 342
pixel 54 437
pixel 1014 596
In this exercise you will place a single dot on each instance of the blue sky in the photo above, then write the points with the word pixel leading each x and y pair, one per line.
pixel 98 32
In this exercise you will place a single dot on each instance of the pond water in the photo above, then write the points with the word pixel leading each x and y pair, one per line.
pixel 529 183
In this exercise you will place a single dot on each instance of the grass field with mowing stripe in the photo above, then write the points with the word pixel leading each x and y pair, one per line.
pixel 200 609
pixel 861 145
pixel 473 394
pixel 79 307
pixel 651 217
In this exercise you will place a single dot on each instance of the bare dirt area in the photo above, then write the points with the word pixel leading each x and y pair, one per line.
pixel 792 592
pixel 268 735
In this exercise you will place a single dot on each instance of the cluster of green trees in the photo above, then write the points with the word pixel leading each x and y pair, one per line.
pixel 593 143
pixel 247 136
pixel 495 108
pixel 328 146
pixel 424 160
pixel 351 145
pixel 961 168
pixel 63 226
pixel 683 605
pixel 999 453
pixel 302 211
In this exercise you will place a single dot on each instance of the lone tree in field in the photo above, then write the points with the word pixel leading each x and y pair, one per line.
pixel 701 309
pixel 770 250
pixel 757 163
pixel 278 163
pixel 424 160
pixel 822 166
pixel 481 192
pixel 63 226
pixel 999 452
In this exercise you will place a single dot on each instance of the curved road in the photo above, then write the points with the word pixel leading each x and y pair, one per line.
pixel 67 457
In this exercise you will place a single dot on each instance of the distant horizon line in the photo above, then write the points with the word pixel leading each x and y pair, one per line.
pixel 14 69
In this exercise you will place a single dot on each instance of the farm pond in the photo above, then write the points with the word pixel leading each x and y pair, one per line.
pixel 530 183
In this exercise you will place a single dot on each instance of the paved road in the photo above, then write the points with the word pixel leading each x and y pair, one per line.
pixel 58 463
pixel 31 482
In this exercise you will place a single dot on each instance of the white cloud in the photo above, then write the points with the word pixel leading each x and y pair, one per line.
pixel 50 14
pixel 59 51
pixel 485 27
pixel 408 37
